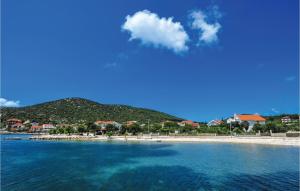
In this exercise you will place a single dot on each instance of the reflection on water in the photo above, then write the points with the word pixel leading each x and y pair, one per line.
pixel 62 165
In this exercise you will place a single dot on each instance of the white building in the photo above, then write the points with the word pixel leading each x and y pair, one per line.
pixel 286 119
pixel 47 127
pixel 103 124
pixel 251 119
pixel 215 122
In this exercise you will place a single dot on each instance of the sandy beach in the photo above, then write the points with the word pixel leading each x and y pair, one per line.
pixel 288 141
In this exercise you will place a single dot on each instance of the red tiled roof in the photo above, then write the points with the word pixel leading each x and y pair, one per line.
pixel 195 124
pixel 104 122
pixel 187 122
pixel 14 119
pixel 251 118
pixel 36 127
pixel 130 122
pixel 217 121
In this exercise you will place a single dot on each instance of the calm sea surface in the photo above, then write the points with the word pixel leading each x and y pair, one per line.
pixel 61 165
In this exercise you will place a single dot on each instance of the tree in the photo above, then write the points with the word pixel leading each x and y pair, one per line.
pixel 134 128
pixel 92 127
pixel 203 129
pixel 81 129
pixel 111 128
pixel 53 131
pixel 60 130
pixel 245 125
pixel 69 130
pixel 165 130
pixel 237 130
pixel 27 126
pixel 257 127
pixel 109 134
pixel 235 124
pixel 170 124
pixel 155 128
pixel 187 128
pixel 271 126
pixel 123 129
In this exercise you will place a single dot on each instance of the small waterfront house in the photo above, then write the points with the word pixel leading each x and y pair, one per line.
pixel 188 122
pixel 128 123
pixel 230 120
pixel 103 124
pixel 17 127
pixel 286 119
pixel 13 123
pixel 47 127
pixel 251 119
pixel 34 123
pixel 36 129
pixel 215 122
pixel 26 122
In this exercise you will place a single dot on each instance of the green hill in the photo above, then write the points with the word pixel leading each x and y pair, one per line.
pixel 72 110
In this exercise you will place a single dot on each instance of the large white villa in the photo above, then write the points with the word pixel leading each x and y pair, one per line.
pixel 251 119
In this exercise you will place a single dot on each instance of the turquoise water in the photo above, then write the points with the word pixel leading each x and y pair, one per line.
pixel 61 165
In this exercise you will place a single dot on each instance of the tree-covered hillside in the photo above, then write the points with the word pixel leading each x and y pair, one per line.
pixel 73 110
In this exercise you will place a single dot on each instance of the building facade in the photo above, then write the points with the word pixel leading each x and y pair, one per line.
pixel 286 119
pixel 215 122
pixel 251 119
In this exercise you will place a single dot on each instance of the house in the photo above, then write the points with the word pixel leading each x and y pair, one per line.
pixel 286 119
pixel 47 127
pixel 103 124
pixel 26 122
pixel 34 123
pixel 12 121
pixel 128 123
pixel 64 125
pixel 36 129
pixel 251 119
pixel 17 127
pixel 230 120
pixel 14 124
pixel 188 122
pixel 215 122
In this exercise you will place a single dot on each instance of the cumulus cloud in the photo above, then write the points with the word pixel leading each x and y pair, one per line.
pixel 207 31
pixel 150 29
pixel 8 103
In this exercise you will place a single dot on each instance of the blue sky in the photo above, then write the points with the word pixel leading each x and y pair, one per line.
pixel 212 59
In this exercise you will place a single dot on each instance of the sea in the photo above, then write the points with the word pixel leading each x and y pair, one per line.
pixel 31 165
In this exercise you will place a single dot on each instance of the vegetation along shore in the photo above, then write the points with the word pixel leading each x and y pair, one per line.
pixel 81 119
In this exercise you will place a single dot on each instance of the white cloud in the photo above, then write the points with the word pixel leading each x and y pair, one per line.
pixel 275 110
pixel 8 103
pixel 290 78
pixel 208 32
pixel 159 32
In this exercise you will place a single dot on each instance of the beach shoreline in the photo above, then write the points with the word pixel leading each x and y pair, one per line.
pixel 280 141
